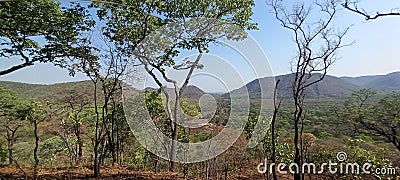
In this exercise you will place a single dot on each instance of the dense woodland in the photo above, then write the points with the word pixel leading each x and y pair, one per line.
pixel 79 130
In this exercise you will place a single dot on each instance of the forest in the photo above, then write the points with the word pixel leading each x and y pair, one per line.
pixel 108 127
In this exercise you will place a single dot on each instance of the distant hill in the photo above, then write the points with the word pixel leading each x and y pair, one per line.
pixel 54 91
pixel 58 91
pixel 388 82
pixel 330 87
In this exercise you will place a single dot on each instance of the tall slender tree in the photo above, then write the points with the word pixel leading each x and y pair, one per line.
pixel 316 44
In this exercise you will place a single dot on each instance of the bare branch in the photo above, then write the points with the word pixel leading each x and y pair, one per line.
pixel 352 6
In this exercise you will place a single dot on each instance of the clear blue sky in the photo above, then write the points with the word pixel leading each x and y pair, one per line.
pixel 376 50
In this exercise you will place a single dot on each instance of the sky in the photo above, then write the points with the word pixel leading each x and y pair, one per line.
pixel 375 52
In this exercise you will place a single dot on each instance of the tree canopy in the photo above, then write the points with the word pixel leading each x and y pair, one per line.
pixel 40 31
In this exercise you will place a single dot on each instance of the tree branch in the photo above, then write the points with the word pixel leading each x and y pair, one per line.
pixel 362 12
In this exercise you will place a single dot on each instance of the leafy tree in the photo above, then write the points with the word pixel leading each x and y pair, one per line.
pixel 12 112
pixel 380 119
pixel 50 149
pixel 73 124
pixel 128 23
pixel 105 66
pixel 39 31
pixel 36 114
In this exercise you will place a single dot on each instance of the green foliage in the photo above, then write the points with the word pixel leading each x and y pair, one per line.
pixel 382 118
pixel 154 104
pixel 3 152
pixel 51 148
pixel 38 111
pixel 11 105
pixel 40 31
pixel 142 17
pixel 324 134
pixel 189 109
pixel 323 156
pixel 200 137
pixel 360 155
pixel 251 121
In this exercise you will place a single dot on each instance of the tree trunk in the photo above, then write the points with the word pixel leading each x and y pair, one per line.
pixel 301 147
pixel 80 143
pixel 296 144
pixel 10 142
pixel 35 151
pixel 276 108
pixel 273 144
pixel 121 158
pixel 9 147
pixel 174 131
pixel 10 152
pixel 96 163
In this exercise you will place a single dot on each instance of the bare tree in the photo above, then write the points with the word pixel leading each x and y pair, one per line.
pixel 273 135
pixel 316 44
pixel 353 6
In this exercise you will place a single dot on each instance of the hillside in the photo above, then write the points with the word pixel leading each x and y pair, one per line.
pixel 330 87
pixel 58 91
pixel 388 82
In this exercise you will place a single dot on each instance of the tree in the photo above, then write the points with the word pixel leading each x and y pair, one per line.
pixel 130 23
pixel 378 119
pixel 36 114
pixel 316 45
pixel 352 6
pixel 273 133
pixel 11 114
pixel 76 104
pixel 39 31
pixel 105 65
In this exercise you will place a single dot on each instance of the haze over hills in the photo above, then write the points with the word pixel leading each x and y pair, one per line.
pixel 57 91
pixel 388 82
pixel 330 87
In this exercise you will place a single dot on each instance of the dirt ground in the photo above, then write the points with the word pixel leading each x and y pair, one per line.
pixel 12 172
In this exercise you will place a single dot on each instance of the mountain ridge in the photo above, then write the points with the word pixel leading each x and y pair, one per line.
pixel 330 87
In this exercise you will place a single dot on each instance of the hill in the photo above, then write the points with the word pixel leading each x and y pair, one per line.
pixel 388 82
pixel 330 87
pixel 61 90
pixel 41 91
